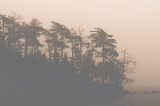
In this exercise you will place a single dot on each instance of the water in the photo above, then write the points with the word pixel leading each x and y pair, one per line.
pixel 138 99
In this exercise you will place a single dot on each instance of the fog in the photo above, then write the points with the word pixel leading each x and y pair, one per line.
pixel 134 24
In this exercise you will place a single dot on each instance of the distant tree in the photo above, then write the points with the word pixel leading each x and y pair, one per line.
pixel 105 43
pixel 36 30
pixel 65 62
pixel 88 64
pixel 10 32
pixel 113 73
pixel 61 34
pixel 53 44
pixel 90 47
pixel 49 41
pixel 25 33
pixel 127 66
pixel 71 75
pixel 106 50
pixel 72 40
pixel 3 21
pixel 77 44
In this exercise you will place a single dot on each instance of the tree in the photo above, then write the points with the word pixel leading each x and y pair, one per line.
pixel 25 33
pixel 106 50
pixel 77 44
pixel 63 35
pixel 3 21
pixel 88 64
pixel 109 73
pixel 10 32
pixel 104 41
pixel 36 30
pixel 58 38
pixel 126 66
pixel 72 40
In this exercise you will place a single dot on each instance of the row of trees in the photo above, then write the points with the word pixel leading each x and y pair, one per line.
pixel 94 58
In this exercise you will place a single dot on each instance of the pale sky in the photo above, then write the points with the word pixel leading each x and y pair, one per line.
pixel 135 24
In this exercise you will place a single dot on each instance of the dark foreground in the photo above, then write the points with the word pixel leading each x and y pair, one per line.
pixel 123 100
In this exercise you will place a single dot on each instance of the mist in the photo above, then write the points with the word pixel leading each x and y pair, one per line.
pixel 134 24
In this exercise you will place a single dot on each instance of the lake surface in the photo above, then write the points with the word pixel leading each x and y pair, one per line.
pixel 138 99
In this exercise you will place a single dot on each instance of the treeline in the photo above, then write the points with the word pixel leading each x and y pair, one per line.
pixel 74 59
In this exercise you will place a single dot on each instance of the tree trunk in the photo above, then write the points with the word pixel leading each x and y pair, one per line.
pixel 49 52
pixel 37 48
pixel 122 74
pixel 61 53
pixel 72 49
pixel 9 41
pixel 26 47
pixel 103 54
pixel 80 56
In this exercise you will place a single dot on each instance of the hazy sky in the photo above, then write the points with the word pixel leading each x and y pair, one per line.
pixel 135 24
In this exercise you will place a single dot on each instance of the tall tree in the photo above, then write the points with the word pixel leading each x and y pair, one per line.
pixel 105 43
pixel 12 26
pixel 59 36
pixel 106 50
pixel 48 40
pixel 77 44
pixel 36 30
pixel 26 34
pixel 127 66
pixel 3 31
pixel 88 62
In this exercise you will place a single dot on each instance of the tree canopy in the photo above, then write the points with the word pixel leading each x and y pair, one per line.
pixel 69 54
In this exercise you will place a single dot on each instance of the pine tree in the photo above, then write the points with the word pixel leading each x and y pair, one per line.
pixel 106 50
pixel 36 30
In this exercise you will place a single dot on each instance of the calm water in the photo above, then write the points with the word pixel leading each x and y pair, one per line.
pixel 124 100
pixel 130 100
pixel 138 99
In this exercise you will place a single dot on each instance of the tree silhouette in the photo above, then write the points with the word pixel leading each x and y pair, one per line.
pixel 70 68
pixel 10 26
pixel 3 23
pixel 77 44
pixel 88 64
pixel 36 30
pixel 25 33
pixel 105 42
pixel 60 36
pixel 127 65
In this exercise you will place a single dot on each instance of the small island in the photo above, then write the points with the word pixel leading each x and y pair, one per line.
pixel 155 92
pixel 59 62
pixel 145 92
